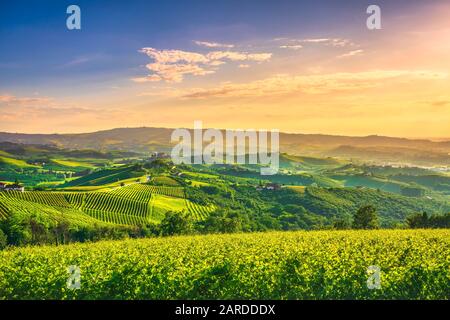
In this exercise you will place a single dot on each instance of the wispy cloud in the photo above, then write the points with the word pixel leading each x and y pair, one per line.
pixel 84 59
pixel 352 53
pixel 213 44
pixel 292 46
pixel 173 65
pixel 11 100
pixel 297 43
pixel 335 42
pixel 440 103
pixel 313 84
pixel 25 113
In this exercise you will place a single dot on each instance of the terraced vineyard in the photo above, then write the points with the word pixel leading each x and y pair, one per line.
pixel 10 203
pixel 105 176
pixel 75 198
pixel 135 192
pixel 199 212
pixel 177 192
pixel 135 204
pixel 48 198
pixel 3 211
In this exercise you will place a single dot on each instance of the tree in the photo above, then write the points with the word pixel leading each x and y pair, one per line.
pixel 439 221
pixel 61 231
pixel 419 220
pixel 3 240
pixel 38 230
pixel 175 223
pixel 423 220
pixel 223 222
pixel 366 218
pixel 341 224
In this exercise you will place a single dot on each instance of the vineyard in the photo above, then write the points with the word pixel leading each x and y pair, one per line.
pixel 135 204
pixel 199 212
pixel 24 208
pixel 106 176
pixel 276 265
pixel 48 198
pixel 177 192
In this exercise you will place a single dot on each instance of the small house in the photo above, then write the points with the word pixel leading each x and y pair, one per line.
pixel 269 186
pixel 2 185
pixel 15 187
pixel 273 186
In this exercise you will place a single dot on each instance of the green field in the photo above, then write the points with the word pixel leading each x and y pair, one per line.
pixel 71 163
pixel 15 162
pixel 106 176
pixel 279 265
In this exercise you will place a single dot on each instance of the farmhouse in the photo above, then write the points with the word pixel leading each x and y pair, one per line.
pixel 14 187
pixel 158 155
pixel 273 186
pixel 269 186
pixel 2 185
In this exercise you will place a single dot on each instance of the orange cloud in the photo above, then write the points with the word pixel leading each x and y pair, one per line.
pixel 13 100
pixel 313 84
pixel 173 65
pixel 292 46
pixel 352 53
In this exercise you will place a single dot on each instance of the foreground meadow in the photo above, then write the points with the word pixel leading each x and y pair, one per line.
pixel 279 265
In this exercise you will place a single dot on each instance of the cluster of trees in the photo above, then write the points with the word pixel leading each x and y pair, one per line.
pixel 413 192
pixel 423 220
pixel 36 231
pixel 19 230
pixel 223 221
pixel 365 218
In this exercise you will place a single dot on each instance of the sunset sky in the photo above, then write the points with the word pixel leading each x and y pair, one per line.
pixel 296 66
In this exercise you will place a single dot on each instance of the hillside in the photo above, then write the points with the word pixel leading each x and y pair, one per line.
pixel 90 195
pixel 374 148
pixel 135 204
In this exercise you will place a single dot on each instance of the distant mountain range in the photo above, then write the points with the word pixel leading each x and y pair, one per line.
pixel 368 148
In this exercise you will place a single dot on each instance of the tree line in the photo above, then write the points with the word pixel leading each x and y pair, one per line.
pixel 35 231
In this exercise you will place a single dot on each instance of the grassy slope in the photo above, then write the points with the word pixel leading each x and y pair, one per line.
pixel 105 176
pixel 6 161
pixel 161 204
pixel 71 163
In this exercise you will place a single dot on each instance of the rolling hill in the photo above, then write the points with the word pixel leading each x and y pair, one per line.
pixel 373 148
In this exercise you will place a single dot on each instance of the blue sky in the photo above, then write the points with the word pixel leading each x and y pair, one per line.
pixel 139 62
pixel 39 49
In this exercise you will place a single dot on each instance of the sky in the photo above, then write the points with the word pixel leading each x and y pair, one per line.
pixel 296 66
